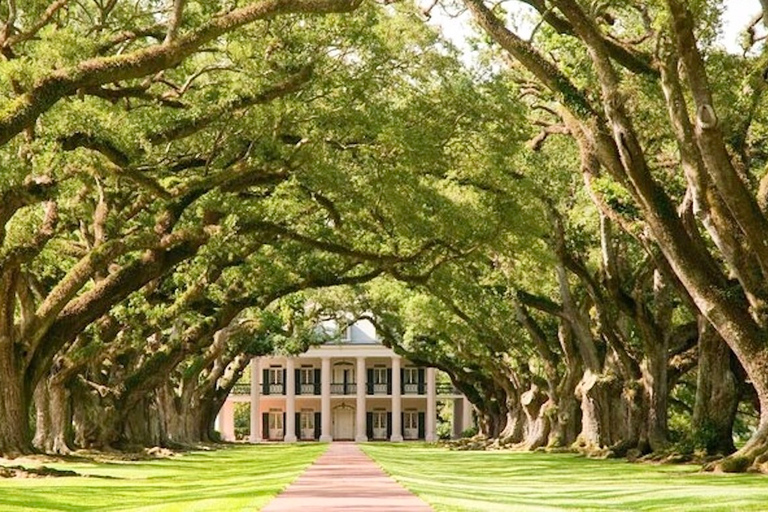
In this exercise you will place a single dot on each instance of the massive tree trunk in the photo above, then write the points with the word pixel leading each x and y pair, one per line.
pixel 539 412
pixel 53 417
pixel 567 421
pixel 656 393
pixel 14 404
pixel 514 429
pixel 140 427
pixel 93 419
pixel 717 393
pixel 185 419
pixel 568 425
pixel 599 395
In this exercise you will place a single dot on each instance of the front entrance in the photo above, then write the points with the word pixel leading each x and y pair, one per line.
pixel 410 425
pixel 307 424
pixel 275 425
pixel 379 424
pixel 344 422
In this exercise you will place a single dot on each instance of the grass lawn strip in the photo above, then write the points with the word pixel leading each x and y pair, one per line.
pixel 503 480
pixel 233 478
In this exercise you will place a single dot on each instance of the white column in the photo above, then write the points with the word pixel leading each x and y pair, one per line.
pixel 397 404
pixel 361 386
pixel 325 400
pixel 466 421
pixel 290 400
pixel 458 408
pixel 430 435
pixel 227 421
pixel 255 436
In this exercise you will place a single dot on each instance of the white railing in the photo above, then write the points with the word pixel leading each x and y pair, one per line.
pixel 411 389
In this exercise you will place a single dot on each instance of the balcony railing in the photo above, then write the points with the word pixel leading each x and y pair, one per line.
pixel 343 388
pixel 413 389
pixel 309 389
pixel 381 388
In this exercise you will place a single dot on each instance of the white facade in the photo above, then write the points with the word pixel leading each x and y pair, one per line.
pixel 354 390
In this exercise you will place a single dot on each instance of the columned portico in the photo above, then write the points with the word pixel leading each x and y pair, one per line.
pixel 255 436
pixel 361 388
pixel 325 400
pixel 290 401
pixel 397 403
pixel 431 418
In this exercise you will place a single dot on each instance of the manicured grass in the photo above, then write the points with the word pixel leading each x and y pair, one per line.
pixel 511 481
pixel 230 479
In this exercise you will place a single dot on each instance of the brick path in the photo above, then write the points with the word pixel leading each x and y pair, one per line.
pixel 344 478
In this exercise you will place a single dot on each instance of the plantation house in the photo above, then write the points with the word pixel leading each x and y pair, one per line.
pixel 356 389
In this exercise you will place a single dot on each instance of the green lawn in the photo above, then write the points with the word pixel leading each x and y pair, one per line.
pixel 509 481
pixel 230 479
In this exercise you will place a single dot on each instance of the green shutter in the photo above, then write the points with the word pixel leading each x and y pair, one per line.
pixel 422 425
pixel 369 381
pixel 369 425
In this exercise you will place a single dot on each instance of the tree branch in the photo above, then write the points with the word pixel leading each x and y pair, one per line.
pixel 22 111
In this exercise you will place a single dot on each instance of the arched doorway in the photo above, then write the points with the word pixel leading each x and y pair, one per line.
pixel 344 422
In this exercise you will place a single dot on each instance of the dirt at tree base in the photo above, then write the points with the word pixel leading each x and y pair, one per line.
pixel 36 472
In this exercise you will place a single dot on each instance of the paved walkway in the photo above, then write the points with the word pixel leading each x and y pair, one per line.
pixel 344 478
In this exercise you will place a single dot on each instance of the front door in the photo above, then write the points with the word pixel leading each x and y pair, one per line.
pixel 344 423
pixel 307 423
pixel 275 425
pixel 411 425
pixel 379 425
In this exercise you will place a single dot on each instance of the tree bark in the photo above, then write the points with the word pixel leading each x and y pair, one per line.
pixel 14 404
pixel 53 417
pixel 656 393
pixel 717 394
pixel 539 411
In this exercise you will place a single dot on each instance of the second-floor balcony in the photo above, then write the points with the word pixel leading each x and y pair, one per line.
pixel 343 388
pixel 442 388
pixel 379 388
pixel 308 388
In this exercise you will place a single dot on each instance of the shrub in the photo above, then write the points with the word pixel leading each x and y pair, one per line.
pixel 444 431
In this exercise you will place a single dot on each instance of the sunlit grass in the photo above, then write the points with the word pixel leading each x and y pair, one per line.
pixel 512 481
pixel 231 479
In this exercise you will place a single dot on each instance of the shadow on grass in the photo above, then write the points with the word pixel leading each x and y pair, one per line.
pixel 503 480
pixel 234 477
